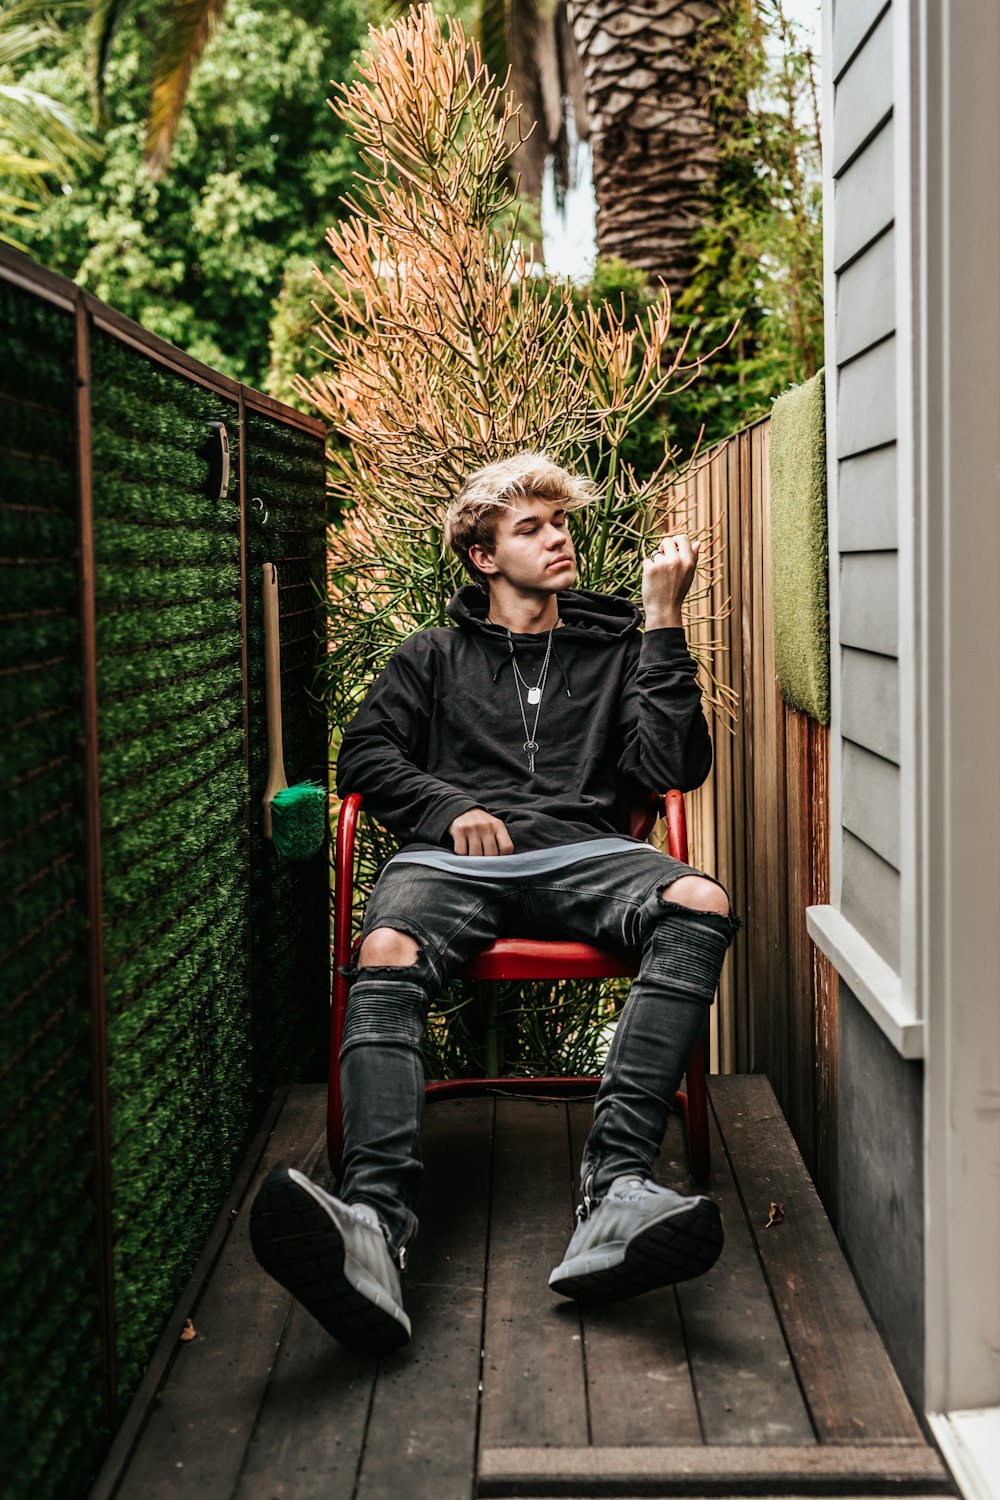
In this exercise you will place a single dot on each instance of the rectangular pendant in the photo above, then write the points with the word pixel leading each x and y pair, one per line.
pixel 534 695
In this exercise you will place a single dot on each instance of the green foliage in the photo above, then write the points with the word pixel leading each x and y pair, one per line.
pixel 296 347
pixel 39 137
pixel 617 289
pixel 760 240
pixel 184 30
pixel 199 256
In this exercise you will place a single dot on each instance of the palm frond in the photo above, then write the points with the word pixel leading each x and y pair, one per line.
pixel 20 35
pixel 105 18
pixel 36 125
pixel 494 35
pixel 187 27
pixel 384 12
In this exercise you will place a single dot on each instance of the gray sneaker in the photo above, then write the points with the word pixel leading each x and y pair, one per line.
pixel 639 1236
pixel 332 1257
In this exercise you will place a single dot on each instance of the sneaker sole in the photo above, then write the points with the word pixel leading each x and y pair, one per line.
pixel 298 1242
pixel 673 1249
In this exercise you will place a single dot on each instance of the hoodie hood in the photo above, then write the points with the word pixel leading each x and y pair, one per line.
pixel 584 614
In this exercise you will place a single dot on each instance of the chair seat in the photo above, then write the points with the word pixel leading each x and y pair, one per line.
pixel 529 958
pixel 512 958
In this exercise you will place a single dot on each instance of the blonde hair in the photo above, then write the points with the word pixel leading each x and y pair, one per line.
pixel 471 518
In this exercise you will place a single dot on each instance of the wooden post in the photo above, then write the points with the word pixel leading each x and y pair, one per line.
pixel 94 902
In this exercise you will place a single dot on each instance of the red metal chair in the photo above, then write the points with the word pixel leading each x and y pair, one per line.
pixel 515 958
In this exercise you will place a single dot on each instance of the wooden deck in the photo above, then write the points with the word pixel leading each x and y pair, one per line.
pixel 764 1377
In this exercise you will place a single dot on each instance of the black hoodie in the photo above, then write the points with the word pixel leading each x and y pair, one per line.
pixel 440 730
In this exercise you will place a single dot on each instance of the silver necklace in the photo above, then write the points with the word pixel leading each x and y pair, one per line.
pixel 534 697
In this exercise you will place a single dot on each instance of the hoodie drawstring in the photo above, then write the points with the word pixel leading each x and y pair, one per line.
pixel 562 669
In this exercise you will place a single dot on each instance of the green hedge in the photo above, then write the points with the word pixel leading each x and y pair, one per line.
pixel 215 953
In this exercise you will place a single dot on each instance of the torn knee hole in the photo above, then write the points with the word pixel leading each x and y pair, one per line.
pixel 388 948
pixel 696 893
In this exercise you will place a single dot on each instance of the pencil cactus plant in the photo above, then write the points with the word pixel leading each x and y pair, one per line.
pixel 446 352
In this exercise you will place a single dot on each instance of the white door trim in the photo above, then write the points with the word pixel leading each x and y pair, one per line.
pixel 956 61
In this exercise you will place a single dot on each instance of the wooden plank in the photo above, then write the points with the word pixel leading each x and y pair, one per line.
pixel 799 1011
pixel 870 701
pixel 705 856
pixel 866 400
pixel 323 1398
pixel 871 898
pixel 700 852
pixel 745 1384
pixel 533 1380
pixel 761 916
pixel 870 806
pixel 421 1438
pixel 863 97
pixel 774 871
pixel 748 541
pixel 853 1392
pixel 638 1379
pixel 863 196
pixel 207 1408
pixel 170 1347
pixel 852 20
pixel 710 1471
pixel 725 1059
pixel 866 299
pixel 869 603
pixel 312 1419
pixel 824 982
pixel 739 957
pixel 867 514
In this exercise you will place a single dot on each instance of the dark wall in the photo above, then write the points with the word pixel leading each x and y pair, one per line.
pixel 881 1190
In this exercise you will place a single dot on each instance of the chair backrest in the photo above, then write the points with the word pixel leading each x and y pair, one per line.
pixel 642 816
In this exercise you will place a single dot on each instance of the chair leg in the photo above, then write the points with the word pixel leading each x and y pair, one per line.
pixel 334 1114
pixel 696 1116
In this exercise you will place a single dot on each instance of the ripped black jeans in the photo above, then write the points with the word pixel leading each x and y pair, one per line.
pixel 612 902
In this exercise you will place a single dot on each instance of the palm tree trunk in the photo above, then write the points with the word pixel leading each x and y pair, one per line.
pixel 654 142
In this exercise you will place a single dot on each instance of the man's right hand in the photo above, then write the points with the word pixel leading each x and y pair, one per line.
pixel 476 832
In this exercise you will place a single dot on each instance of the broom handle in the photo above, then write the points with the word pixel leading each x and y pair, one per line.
pixel 276 780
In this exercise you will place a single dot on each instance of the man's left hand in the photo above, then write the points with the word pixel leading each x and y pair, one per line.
pixel 666 578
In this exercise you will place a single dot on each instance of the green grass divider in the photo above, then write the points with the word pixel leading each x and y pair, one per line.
pixel 215 953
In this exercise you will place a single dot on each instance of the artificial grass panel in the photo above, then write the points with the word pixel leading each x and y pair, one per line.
pixel 799 558
pixel 174 856
pixel 176 864
pixel 50 1396
pixel 289 899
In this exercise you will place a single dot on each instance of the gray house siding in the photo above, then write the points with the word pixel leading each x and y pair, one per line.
pixel 880 1109
pixel 881 1213
pixel 871 897
pixel 866 353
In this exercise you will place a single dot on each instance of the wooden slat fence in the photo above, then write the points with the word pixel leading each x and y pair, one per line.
pixel 761 823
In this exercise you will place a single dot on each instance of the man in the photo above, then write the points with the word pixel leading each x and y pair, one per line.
pixel 504 755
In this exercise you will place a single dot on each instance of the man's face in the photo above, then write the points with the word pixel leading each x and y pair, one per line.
pixel 532 549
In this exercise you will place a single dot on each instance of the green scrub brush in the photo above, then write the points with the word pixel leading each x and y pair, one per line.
pixel 294 816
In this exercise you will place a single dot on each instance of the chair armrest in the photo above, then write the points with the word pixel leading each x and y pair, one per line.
pixel 671 806
pixel 677 839
pixel 343 878
pixel 642 816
